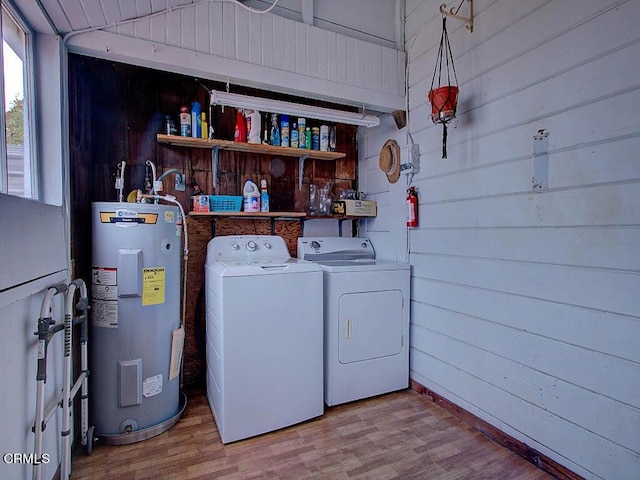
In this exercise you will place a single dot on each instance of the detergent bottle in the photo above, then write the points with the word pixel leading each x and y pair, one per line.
pixel 251 197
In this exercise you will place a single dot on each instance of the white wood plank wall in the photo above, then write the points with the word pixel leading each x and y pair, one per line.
pixel 525 307
pixel 224 41
pixel 369 20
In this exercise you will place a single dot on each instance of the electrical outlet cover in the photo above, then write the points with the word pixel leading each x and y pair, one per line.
pixel 410 159
pixel 181 184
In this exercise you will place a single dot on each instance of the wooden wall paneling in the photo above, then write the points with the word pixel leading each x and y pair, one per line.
pixel 290 230
pixel 267 40
pixel 224 121
pixel 80 141
pixel 216 22
pixel 255 38
pixel 300 50
pixel 537 283
pixel 201 27
pixel 242 35
pixel 342 60
pixel 233 226
pixel 228 31
pixel 279 43
pixel 288 36
pixel 194 367
pixel 300 198
pixel 319 40
pixel 283 194
pixel 117 110
pixel 334 63
pixel 158 29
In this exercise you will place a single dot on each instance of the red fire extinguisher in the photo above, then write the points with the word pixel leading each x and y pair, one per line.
pixel 412 207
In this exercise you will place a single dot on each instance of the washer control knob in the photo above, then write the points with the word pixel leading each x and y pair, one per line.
pixel 315 244
pixel 267 245
pixel 235 246
pixel 251 246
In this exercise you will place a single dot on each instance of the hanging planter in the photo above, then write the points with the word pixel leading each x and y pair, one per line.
pixel 443 102
pixel 443 97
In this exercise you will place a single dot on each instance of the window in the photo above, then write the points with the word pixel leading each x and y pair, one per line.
pixel 17 159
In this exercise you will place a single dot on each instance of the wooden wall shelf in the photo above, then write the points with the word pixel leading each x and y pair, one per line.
pixel 249 214
pixel 248 147
pixel 216 145
pixel 273 216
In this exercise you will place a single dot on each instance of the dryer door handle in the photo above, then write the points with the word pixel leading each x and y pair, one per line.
pixel 348 328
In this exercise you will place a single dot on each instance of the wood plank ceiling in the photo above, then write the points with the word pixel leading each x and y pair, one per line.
pixel 74 15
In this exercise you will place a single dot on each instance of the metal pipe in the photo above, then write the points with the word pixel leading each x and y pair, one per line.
pixel 172 199
pixel 65 467
pixel 44 322
pixel 83 306
pixel 120 180
pixel 153 183
pixel 169 172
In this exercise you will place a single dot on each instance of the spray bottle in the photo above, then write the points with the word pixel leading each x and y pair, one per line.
pixel 264 196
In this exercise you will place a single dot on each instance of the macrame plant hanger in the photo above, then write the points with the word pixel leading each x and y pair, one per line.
pixel 444 98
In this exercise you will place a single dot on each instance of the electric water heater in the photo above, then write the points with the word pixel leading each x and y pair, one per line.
pixel 135 308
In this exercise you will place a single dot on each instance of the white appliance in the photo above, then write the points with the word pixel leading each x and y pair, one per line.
pixel 264 336
pixel 366 318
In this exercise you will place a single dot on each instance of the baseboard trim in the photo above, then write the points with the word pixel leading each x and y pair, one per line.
pixel 538 459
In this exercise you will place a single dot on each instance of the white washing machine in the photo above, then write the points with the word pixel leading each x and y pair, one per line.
pixel 366 318
pixel 264 336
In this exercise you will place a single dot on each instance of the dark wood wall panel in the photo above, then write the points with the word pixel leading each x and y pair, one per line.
pixel 116 110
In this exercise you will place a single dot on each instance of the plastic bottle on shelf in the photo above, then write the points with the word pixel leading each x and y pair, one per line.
pixel 264 196
pixel 253 132
pixel 294 135
pixel 324 138
pixel 251 197
pixel 205 126
pixel 185 121
pixel 196 120
pixel 284 130
pixel 240 134
pixel 302 130
pixel 274 139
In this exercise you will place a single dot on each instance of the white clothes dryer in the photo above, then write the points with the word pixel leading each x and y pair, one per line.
pixel 264 336
pixel 366 318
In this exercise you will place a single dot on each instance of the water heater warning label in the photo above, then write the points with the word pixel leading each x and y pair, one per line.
pixel 104 276
pixel 104 297
pixel 153 286
pixel 152 386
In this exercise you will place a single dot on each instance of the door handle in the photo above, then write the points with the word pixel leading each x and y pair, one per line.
pixel 348 328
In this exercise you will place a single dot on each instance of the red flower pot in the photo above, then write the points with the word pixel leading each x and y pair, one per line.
pixel 443 102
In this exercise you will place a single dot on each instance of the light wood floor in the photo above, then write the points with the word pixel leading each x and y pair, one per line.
pixel 399 435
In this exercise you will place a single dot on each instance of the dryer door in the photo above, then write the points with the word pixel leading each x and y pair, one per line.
pixel 370 325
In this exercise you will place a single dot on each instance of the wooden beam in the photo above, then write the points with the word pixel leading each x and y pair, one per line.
pixel 307 12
